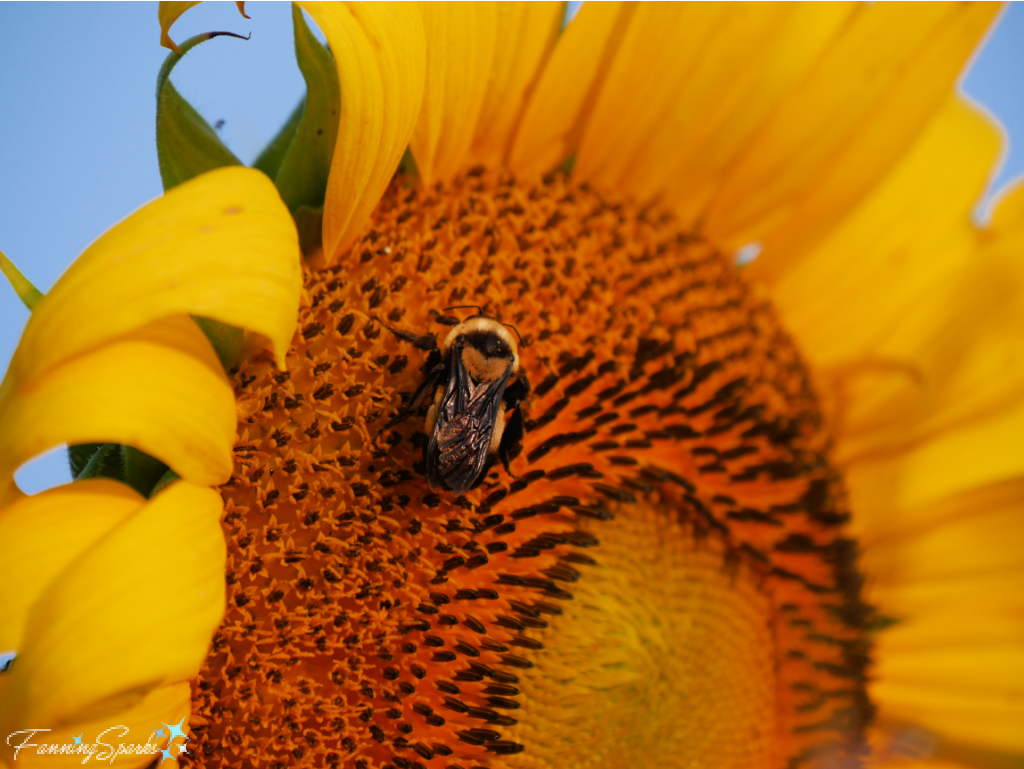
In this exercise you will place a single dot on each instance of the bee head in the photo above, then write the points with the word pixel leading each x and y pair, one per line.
pixel 487 348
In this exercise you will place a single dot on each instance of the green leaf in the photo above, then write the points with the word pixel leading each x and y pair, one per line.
pixel 310 224
pixel 302 176
pixel 226 340
pixel 269 161
pixel 165 480
pixel 141 471
pixel 79 456
pixel 407 165
pixel 101 460
pixel 121 463
pixel 186 146
pixel 879 622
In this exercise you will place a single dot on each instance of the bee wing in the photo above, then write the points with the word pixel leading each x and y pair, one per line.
pixel 457 454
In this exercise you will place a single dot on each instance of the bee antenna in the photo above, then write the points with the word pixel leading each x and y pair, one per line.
pixel 521 342
pixel 478 308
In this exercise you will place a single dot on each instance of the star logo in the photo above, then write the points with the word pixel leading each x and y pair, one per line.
pixel 78 739
pixel 175 731
pixel 166 752
pixel 158 733
pixel 183 748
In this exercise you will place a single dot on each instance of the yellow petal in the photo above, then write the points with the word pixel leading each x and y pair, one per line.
pixel 160 389
pixel 752 60
pixel 983 451
pixel 164 705
pixel 706 56
pixel 460 51
pixel 42 534
pixel 971 534
pixel 892 377
pixel 995 670
pixel 170 11
pixel 526 35
pixel 1008 216
pixel 902 745
pixel 221 246
pixel 567 87
pixel 381 56
pixel 843 295
pixel 964 712
pixel 132 614
pixel 858 110
pixel 952 575
pixel 947 415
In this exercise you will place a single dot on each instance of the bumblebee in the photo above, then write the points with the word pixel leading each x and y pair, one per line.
pixel 475 388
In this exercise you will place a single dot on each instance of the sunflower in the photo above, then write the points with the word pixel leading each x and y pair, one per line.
pixel 763 516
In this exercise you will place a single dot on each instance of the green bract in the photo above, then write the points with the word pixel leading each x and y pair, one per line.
pixel 298 159
pixel 186 145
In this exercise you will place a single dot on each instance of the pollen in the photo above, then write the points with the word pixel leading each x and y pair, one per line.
pixel 665 580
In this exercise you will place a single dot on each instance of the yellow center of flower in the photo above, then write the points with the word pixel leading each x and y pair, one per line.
pixel 663 583
pixel 665 654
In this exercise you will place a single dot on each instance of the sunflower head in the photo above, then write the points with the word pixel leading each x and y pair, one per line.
pixel 654 557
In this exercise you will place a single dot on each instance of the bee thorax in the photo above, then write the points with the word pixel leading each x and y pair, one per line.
pixel 483 368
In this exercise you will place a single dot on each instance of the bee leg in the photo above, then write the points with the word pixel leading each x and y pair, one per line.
pixel 445 320
pixel 420 342
pixel 512 439
pixel 508 467
pixel 397 419
pixel 415 402
pixel 517 391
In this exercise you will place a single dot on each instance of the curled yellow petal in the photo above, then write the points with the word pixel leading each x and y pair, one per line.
pixel 134 613
pixel 381 56
pixel 170 11
pixel 133 727
pixel 460 51
pixel 42 534
pixel 526 35
pixel 160 389
pixel 567 87
pixel 221 246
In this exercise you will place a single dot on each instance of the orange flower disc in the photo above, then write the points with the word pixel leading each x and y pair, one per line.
pixel 665 583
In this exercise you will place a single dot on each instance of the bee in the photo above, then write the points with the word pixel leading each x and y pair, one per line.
pixel 475 389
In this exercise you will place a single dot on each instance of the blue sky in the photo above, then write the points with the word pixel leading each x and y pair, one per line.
pixel 77 123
